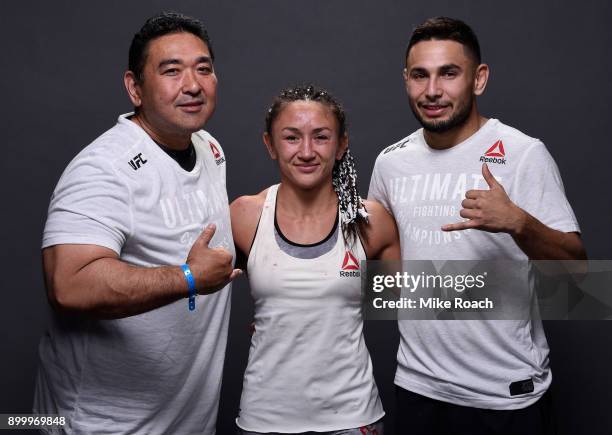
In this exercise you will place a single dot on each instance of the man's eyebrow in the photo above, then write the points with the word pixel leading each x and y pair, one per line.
pixel 169 62
pixel 204 59
pixel 201 59
pixel 449 67
pixel 418 69
pixel 443 68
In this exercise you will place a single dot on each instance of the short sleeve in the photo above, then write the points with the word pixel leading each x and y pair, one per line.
pixel 377 191
pixel 90 205
pixel 539 190
pixel 214 153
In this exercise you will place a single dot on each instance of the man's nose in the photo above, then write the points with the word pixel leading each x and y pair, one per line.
pixel 190 83
pixel 433 91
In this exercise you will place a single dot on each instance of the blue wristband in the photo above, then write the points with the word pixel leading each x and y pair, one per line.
pixel 191 284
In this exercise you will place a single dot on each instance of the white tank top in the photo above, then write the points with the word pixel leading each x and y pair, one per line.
pixel 309 368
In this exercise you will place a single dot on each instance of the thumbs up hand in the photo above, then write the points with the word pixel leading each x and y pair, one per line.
pixel 489 210
pixel 211 267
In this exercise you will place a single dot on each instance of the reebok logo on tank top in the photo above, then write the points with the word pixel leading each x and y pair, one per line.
pixel 350 265
pixel 495 154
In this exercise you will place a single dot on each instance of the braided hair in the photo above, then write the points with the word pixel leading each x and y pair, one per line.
pixel 344 175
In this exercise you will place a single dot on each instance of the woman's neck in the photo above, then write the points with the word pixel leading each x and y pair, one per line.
pixel 305 203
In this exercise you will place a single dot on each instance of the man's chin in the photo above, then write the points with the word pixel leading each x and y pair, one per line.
pixel 451 121
pixel 438 125
pixel 443 125
pixel 194 125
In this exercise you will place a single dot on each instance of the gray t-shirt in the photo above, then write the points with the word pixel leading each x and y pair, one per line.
pixel 470 363
pixel 160 371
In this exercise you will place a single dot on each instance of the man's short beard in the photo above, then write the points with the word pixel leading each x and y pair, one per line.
pixel 456 120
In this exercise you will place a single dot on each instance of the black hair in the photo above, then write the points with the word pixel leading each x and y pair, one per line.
pixel 306 93
pixel 444 28
pixel 344 175
pixel 160 25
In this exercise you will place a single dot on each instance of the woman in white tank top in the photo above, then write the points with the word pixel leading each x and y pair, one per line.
pixel 309 369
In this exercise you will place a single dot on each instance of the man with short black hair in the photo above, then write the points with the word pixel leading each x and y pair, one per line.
pixel 472 376
pixel 139 225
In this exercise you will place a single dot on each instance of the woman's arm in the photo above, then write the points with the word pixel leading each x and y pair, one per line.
pixel 380 236
pixel 245 212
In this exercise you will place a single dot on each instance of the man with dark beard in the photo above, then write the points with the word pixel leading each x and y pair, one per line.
pixel 471 376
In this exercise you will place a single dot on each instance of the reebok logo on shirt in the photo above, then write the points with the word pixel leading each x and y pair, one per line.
pixel 350 265
pixel 137 161
pixel 495 154
pixel 216 153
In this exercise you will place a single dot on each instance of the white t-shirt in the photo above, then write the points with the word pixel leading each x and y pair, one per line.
pixel 160 371
pixel 470 363
pixel 309 368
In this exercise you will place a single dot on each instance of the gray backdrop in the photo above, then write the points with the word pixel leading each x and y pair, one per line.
pixel 61 87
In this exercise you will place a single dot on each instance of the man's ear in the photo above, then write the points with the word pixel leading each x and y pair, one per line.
pixel 343 146
pixel 405 77
pixel 133 88
pixel 480 78
pixel 268 141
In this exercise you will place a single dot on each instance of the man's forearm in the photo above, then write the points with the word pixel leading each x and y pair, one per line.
pixel 540 242
pixel 91 279
pixel 111 288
